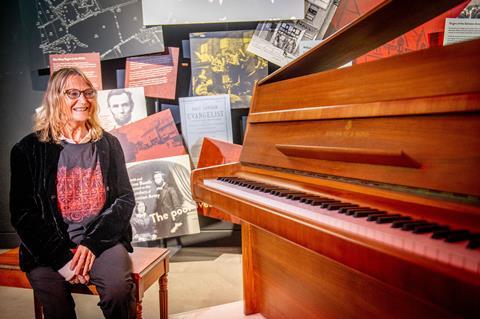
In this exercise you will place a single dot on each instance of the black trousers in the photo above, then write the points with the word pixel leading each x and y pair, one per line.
pixel 110 273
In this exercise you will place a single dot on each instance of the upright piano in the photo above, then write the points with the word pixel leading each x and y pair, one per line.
pixel 359 188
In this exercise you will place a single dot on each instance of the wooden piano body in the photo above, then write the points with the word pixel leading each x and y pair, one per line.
pixel 400 135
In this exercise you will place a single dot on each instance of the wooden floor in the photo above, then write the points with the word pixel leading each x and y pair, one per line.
pixel 232 310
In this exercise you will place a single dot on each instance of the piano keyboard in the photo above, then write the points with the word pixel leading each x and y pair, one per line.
pixel 458 248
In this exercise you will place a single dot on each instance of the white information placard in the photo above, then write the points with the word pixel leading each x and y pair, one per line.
pixel 205 116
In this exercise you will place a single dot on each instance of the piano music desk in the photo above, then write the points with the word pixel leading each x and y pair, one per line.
pixel 149 265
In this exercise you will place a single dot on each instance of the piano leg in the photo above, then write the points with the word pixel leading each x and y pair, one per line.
pixel 248 277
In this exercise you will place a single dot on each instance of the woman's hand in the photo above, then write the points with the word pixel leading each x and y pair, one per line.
pixel 82 262
pixel 79 279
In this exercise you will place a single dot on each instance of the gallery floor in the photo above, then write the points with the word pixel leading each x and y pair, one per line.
pixel 203 283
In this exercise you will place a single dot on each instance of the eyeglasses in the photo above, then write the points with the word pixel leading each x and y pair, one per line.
pixel 75 94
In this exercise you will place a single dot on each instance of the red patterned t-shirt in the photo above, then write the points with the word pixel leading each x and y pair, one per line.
pixel 80 188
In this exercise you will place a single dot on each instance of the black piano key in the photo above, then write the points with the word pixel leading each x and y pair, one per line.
pixel 329 201
pixel 279 191
pixel 474 236
pixel 366 213
pixel 338 206
pixel 391 219
pixel 285 194
pixel 307 199
pixel 326 200
pixel 457 235
pixel 473 244
pixel 238 181
pixel 352 211
pixel 411 225
pixel 310 200
pixel 474 241
pixel 400 223
pixel 291 192
pixel 229 178
pixel 343 210
pixel 316 202
pixel 441 234
pixel 296 196
pixel 374 217
pixel 344 207
pixel 330 204
pixel 429 228
pixel 268 189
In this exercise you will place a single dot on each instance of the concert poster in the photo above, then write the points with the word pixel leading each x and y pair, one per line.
pixel 163 201
pixel 155 136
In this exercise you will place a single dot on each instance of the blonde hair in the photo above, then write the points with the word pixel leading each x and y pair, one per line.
pixel 50 121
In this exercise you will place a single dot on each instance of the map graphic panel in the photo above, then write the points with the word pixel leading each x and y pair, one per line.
pixel 112 28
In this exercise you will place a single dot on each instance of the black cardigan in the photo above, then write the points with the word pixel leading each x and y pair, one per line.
pixel 33 203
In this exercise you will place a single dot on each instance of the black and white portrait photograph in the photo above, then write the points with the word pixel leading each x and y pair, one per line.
pixel 119 107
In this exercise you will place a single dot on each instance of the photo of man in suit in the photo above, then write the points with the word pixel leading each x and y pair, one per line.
pixel 121 104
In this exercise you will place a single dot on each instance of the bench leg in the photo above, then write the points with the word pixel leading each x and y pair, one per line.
pixel 139 309
pixel 37 308
pixel 163 295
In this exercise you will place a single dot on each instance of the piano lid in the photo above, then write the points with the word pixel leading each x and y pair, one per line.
pixel 385 22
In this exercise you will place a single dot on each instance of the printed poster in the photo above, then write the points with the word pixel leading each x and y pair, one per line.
pixel 156 73
pixel 222 65
pixel 155 136
pixel 278 41
pixel 114 29
pixel 466 27
pixel 460 30
pixel 205 116
pixel 88 63
pixel 163 201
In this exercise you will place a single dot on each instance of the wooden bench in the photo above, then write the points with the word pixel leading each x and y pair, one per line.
pixel 149 265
